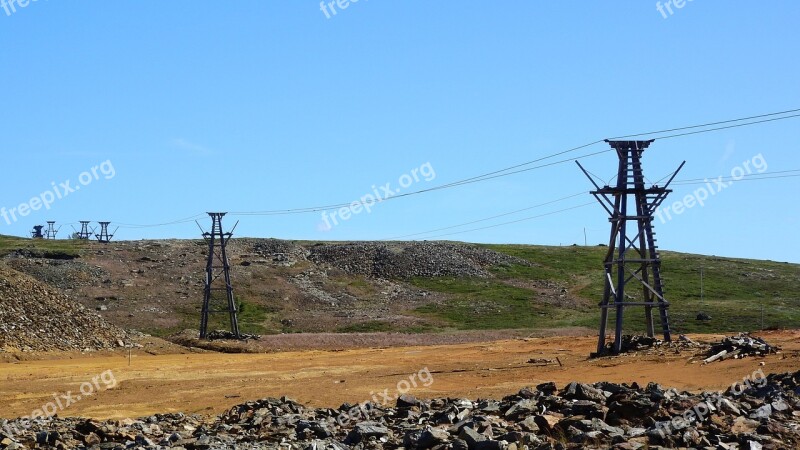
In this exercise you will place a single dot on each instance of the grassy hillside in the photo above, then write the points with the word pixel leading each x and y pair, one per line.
pixel 156 286
pixel 737 292
pixel 56 249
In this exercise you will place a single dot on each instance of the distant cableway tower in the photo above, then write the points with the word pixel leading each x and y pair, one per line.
pixel 85 232
pixel 632 255
pixel 36 233
pixel 51 231
pixel 104 237
pixel 218 292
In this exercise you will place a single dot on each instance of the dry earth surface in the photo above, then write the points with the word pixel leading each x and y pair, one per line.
pixel 166 378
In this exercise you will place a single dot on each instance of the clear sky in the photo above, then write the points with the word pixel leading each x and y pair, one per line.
pixel 198 106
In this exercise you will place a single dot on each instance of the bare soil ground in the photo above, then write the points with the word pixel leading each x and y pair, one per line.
pixel 343 341
pixel 205 383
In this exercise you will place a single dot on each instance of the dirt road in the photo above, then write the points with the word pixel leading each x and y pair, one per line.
pixel 211 382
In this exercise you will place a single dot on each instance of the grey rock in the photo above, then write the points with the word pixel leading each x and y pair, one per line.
pixel 522 408
pixel 365 430
pixel 431 437
pixel 506 424
pixel 762 413
pixel 407 401
pixel 490 444
pixel 779 405
pixel 471 437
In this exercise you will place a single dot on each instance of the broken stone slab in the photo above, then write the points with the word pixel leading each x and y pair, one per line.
pixel 471 437
pixel 432 437
pixel 522 408
pixel 366 430
pixel 582 391
pixel 407 401
pixel 547 422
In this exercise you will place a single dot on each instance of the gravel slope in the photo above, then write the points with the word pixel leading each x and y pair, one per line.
pixel 37 317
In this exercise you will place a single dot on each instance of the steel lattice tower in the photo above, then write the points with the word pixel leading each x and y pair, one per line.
pixel 632 251
pixel 104 237
pixel 84 233
pixel 217 273
pixel 51 231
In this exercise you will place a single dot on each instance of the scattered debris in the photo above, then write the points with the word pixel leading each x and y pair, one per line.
pixel 763 414
pixel 218 335
pixel 637 343
pixel 739 346
pixel 542 361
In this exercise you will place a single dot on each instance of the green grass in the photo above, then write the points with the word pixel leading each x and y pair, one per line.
pixel 57 248
pixel 189 319
pixel 486 304
pixel 252 317
pixel 355 285
pixel 550 263
pixel 734 292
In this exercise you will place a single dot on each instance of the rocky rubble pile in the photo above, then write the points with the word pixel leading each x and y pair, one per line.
pixel 280 252
pixel 638 343
pixel 412 259
pixel 37 317
pixel 61 273
pixel 761 413
pixel 227 335
pixel 739 346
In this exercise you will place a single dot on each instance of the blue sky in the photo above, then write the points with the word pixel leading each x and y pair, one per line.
pixel 255 105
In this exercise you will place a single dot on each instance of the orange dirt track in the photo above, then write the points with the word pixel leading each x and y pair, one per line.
pixel 208 383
